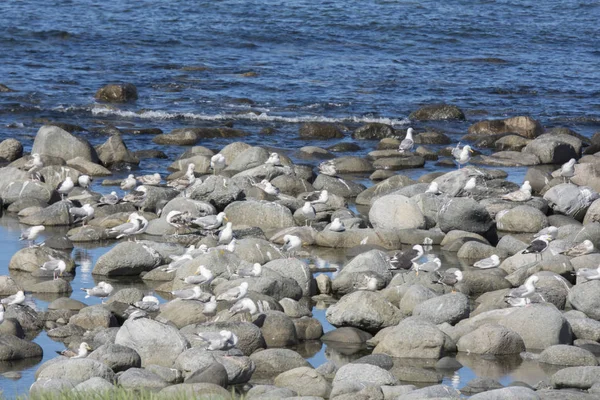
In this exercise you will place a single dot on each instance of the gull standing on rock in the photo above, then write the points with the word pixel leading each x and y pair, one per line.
pixel 337 225
pixel 128 228
pixel 210 307
pixel 407 144
pixel 55 265
pixel 109 199
pixel 152 180
pixel 274 160
pixel 538 245
pixel 188 294
pixel 210 222
pixel 551 231
pixel 291 243
pixel 526 289
pixel 101 290
pixel 34 165
pixel 217 162
pixel 470 185
pixel 405 260
pixel 244 305
pixel 589 274
pixel 85 181
pixel 433 188
pixel 462 156
pixel 17 298
pixel 308 211
pixel 128 183
pixel 254 271
pixel 137 197
pixel 82 214
pixel 84 348
pixel 187 180
pixel 226 234
pixel 65 187
pixel 428 266
pixel 491 262
pixel 179 219
pixel 567 171
pixel 234 294
pixel 328 168
pixel 32 233
pixel 203 276
pixel 449 277
pixel 322 199
pixel 583 248
pixel 522 194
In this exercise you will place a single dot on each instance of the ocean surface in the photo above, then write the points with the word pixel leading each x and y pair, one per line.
pixel 275 64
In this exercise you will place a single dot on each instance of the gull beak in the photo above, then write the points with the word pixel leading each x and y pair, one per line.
pixel 471 150
pixel 226 219
pixel 88 348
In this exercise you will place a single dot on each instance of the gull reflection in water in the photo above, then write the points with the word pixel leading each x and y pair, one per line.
pixel 84 260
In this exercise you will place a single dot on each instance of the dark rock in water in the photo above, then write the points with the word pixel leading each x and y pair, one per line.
pixel 5 89
pixel 54 141
pixel 373 131
pixel 146 154
pixel 480 384
pixel 523 126
pixel 11 149
pixel 511 143
pixel 352 165
pixel 179 137
pixel 554 149
pixel 465 215
pixel 117 93
pixel 13 348
pixel 22 204
pixel 93 317
pixel 344 147
pixel 143 131
pixel 436 112
pixel 114 152
pixel 432 137
pixel 448 363
pixel 399 162
pixel 347 335
pixel 319 130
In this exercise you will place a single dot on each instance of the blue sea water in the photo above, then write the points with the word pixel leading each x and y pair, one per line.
pixel 276 64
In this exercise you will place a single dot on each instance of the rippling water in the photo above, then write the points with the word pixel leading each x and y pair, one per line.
pixel 257 64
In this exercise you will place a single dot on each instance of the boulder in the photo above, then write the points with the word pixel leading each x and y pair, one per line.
pixel 571 356
pixel 396 212
pixel 93 317
pixel 372 263
pixel 117 93
pixel 570 199
pixel 521 219
pixel 218 191
pixel 53 215
pixel 491 339
pixel 338 186
pixel 576 377
pixel 437 112
pixel 586 298
pixel 77 370
pixel 114 152
pixel 13 348
pixel 36 190
pixel 271 362
pixel 466 215
pixel 522 125
pixel 262 214
pixel 116 357
pixel 278 330
pixel 319 130
pixel 127 259
pixel 554 148
pixel 384 187
pixel 141 379
pixel 413 296
pixel 373 131
pixel 450 308
pixel 11 149
pixel 365 310
pixel 305 381
pixel 54 141
pixel 413 338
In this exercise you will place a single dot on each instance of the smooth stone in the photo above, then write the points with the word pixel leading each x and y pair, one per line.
pixel 117 93
pixel 126 259
pixel 522 219
pixel 413 338
pixel 576 377
pixel 54 141
pixel 571 356
pixel 450 308
pixel 116 357
pixel 271 362
pixel 491 339
pixel 396 212
pixel 77 370
pixel 141 379
pixel 364 310
pixel 14 348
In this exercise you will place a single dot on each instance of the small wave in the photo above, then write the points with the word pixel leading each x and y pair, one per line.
pixel 163 115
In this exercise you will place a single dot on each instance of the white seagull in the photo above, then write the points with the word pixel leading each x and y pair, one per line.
pixel 182 183
pixel 254 271
pixel 58 267
pixel 567 171
pixel 152 180
pixel 128 183
pixel 462 156
pixel 433 188
pixel 328 168
pixel 274 160
pixel 84 348
pixel 31 234
pixel 210 222
pixel 82 214
pixel 188 294
pixel 84 181
pixel 449 277
pixel 210 307
pixel 470 185
pixel 65 187
pixel 589 274
pixel 291 243
pixel 128 228
pixel 407 144
pixel 101 290
pixel 223 340
pixel 17 298
pixel 491 262
pixel 226 234
pixel 428 266
pixel 322 199
pixel 308 212
pixel 137 197
pixel 244 305
pixel 337 225
pixel 203 276
pixel 179 219
pixel 526 289
pixel 34 165
pixel 234 294
pixel 217 162
pixel 538 245
pixel 109 199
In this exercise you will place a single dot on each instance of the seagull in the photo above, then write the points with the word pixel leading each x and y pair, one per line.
pixel 223 340
pixel 175 264
pixel 254 271
pixel 526 186
pixel 1 313
pixel 309 212
pixel 128 183
pixel 109 199
pixel 34 165
pixel 291 243
pixel 226 234
pixel 84 213
pixel 519 195
pixel 337 225
pixel 244 305
pixel 188 294
pixel 231 246
pixel 148 304
pixel 210 307
pixel 84 348
pixel 234 294
pixel 405 260
pixel 101 290
pixel 491 262
pixel 32 233
pixel 274 160
pixel 268 187
pixel 551 231
pixel 217 162
pixel 182 183
pixel 462 156
pixel 203 276
pixel 137 197
pixel 470 185
pixel 369 284
pixel 526 289
pixel 567 171
pixel 585 247
pixel 429 266
pixel 538 245
pixel 17 298
pixel 328 168
pixel 589 274
pixel 151 180
pixel 65 187
pixel 55 265
pixel 179 219
pixel 449 277
pixel 143 224
pixel 322 199
pixel 210 222
pixel 407 144
pixel 433 188
pixel 127 229
pixel 85 181
pixel 517 301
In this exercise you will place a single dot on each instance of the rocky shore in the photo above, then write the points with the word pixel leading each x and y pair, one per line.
pixel 242 286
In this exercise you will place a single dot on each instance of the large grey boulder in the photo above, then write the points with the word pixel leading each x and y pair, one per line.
pixel 396 212
pixel 491 339
pixel 250 337
pixel 14 348
pixel 239 368
pixel 75 370
pixel 218 191
pixel 383 188
pixel 37 190
pixel 263 214
pixel 278 329
pixel 415 295
pixel 521 219
pixel 372 263
pixel 522 125
pixel 365 310
pixel 116 357
pixel 413 338
pixel 571 356
pixel 576 377
pixel 53 215
pixel 10 149
pixel 571 200
pixel 94 317
pixel 508 393
pixel 249 158
pixel 305 381
pixel 339 186
pixel 54 141
pixel 127 259
pixel 141 379
pixel 271 362
pixel 114 152
pixel 297 270
pixel 183 312
pixel 94 385
pixel 554 148
pixel 585 297
pixel 372 131
pixel 465 215
pixel 156 343
pixel 450 308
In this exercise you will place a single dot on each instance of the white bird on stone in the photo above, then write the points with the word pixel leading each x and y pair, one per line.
pixel 1 313
pixel 82 214
pixel 129 228
pixel 188 294
pixel 109 199
pixel 337 225
pixel 567 171
pixel 328 168
pixel 137 197
pixel 84 181
pixel 408 142
pixel 268 187
pixel 152 180
pixel 526 186
pixel 143 224
pixel 405 260
pixel 551 231
pixel 65 187
pixel 128 183
pixel 470 185
pixel 244 305
pixel 34 165
pixel 291 243
pixel 187 180
pixel 223 340
pixel 148 304
pixel 210 222
pixel 226 234
pixel 57 266
pixel 32 233
pixel 462 156
pixel 428 266
pixel 234 294
pixel 274 160
pixel 589 274
pixel 231 245
pixel 323 197
pixel 450 277
pixel 217 162
pixel 203 276
pixel 83 351
pixel 526 289
pixel 491 262
pixel 179 219
pixel 538 245
pixel 176 264
pixel 210 307
pixel 518 195
pixel 583 248
pixel 369 283
pixel 433 188
pixel 308 212
pixel 517 301
pixel 254 271
pixel 18 298
pixel 101 290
